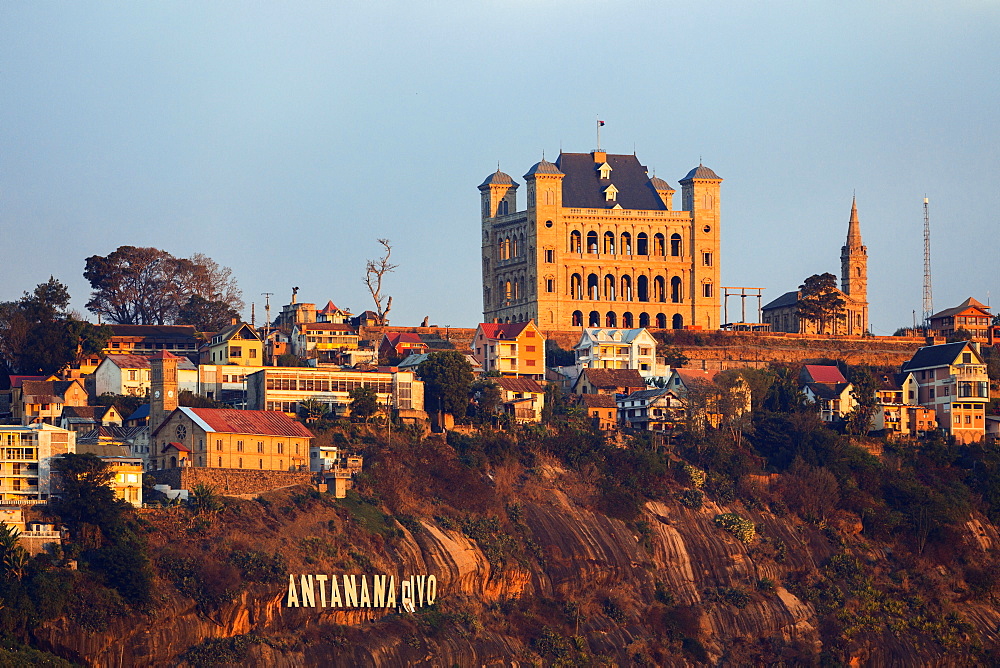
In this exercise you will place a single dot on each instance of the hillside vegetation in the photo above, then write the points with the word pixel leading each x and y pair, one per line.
pixel 773 541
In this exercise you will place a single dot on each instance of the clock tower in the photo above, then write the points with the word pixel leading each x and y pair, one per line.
pixel 163 387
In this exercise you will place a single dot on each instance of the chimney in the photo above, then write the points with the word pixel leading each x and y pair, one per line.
pixel 600 157
pixel 233 321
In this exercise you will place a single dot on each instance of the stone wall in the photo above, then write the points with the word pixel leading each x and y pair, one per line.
pixel 229 481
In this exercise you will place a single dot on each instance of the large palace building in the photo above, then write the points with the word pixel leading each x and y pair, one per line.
pixel 601 245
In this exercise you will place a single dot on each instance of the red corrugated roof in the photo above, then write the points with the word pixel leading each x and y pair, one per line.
pixel 270 423
pixel 502 330
pixel 824 374
pixel 178 446
pixel 15 381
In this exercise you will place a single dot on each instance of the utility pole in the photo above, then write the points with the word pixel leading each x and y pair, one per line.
pixel 267 315
pixel 928 299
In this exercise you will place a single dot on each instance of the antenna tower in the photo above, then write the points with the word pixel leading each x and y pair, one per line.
pixel 928 299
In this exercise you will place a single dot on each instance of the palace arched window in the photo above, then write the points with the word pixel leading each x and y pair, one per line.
pixel 609 243
pixel 642 288
pixel 610 319
pixel 593 288
pixel 676 292
pixel 659 289
pixel 642 244
pixel 594 319
pixel 627 320
pixel 575 287
pixel 578 318
pixel 661 321
pixel 644 320
pixel 675 245
pixel 626 292
pixel 678 321
pixel 609 287
pixel 659 245
pixel 575 243
pixel 626 243
pixel 592 242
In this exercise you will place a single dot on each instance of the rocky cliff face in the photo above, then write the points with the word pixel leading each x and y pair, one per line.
pixel 555 580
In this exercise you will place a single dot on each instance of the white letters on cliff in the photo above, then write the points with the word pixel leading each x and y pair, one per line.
pixel 354 591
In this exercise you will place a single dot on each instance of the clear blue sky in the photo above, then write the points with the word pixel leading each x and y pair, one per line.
pixel 282 139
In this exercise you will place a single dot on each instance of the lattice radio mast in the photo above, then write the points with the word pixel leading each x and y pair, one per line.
pixel 928 299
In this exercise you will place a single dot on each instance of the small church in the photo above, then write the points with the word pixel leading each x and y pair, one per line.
pixel 218 438
pixel 782 314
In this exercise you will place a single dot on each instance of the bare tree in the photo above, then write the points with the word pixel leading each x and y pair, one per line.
pixel 375 270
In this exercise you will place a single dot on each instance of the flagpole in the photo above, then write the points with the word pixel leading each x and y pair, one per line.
pixel 598 134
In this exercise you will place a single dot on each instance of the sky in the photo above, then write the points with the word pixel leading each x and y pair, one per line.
pixel 283 139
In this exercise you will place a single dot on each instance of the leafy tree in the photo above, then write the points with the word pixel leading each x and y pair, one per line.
pixel 38 335
pixel 671 355
pixel 288 359
pixel 86 496
pixel 489 396
pixel 205 315
pixel 820 301
pixel 860 418
pixel 960 334
pixel 149 286
pixel 364 402
pixel 192 400
pixel 556 356
pixel 375 271
pixel 783 394
pixel 311 410
pixel 204 499
pixel 447 377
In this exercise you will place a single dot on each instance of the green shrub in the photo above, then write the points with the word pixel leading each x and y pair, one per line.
pixel 743 529
pixel 692 498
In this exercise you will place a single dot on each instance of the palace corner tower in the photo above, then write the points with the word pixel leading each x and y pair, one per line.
pixel 599 244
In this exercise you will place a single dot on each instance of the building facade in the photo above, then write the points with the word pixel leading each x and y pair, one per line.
pixel 952 380
pixel 971 315
pixel 285 388
pixel 511 349
pixel 617 349
pixel 26 456
pixel 599 244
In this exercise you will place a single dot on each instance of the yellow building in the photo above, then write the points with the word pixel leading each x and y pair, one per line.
pixel 512 349
pixel 127 481
pixel 236 344
pixel 599 244
pixel 26 456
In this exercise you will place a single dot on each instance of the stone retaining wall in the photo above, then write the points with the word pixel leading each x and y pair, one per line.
pixel 229 481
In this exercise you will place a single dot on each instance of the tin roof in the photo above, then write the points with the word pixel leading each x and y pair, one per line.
pixel 233 421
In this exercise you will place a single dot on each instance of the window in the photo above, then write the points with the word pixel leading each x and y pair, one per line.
pixel 706 259
pixel 239 446
pixel 529 349
pixel 550 255
pixel 220 462
pixel 706 289
pixel 253 353
pixel 550 285
pixel 218 444
pixel 235 351
pixel 260 446
pixel 241 462
pixel 281 448
pixel 260 463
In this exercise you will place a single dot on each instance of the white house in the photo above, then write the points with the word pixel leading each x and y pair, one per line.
pixel 129 375
pixel 617 349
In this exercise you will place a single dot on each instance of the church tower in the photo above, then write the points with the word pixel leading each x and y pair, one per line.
pixel 854 260
pixel 163 386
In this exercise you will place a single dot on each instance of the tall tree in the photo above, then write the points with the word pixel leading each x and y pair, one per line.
pixel 820 301
pixel 375 271
pixel 149 286
pixel 447 377
pixel 865 403
pixel 38 335
pixel 206 315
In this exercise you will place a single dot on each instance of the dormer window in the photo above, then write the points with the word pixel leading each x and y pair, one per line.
pixel 611 193
pixel 605 171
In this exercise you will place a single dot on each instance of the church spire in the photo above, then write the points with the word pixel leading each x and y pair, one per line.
pixel 854 228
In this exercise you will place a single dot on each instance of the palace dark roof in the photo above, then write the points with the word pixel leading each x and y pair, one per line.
pixel 660 184
pixel 701 172
pixel 498 178
pixel 543 167
pixel 584 188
